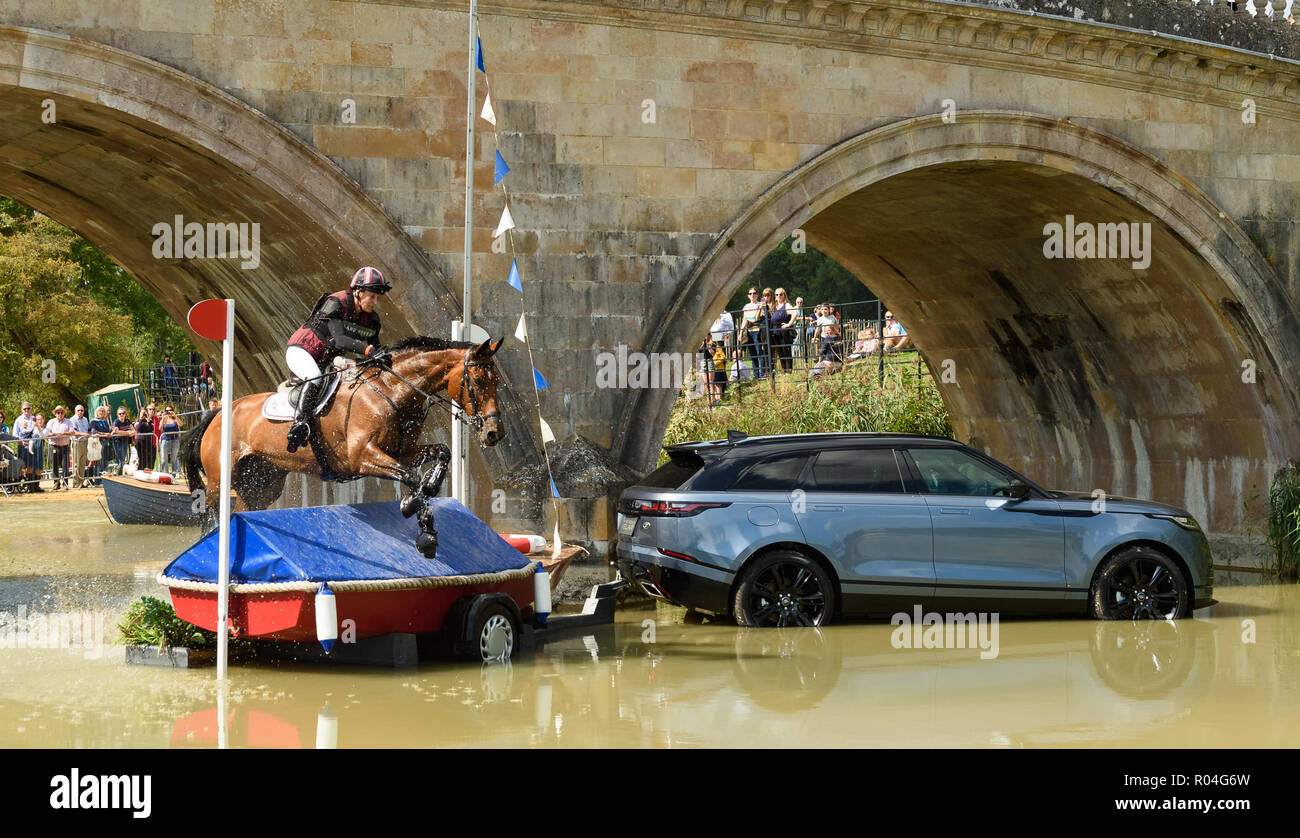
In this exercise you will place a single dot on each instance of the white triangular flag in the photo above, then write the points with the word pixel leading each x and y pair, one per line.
pixel 507 222
pixel 555 551
pixel 547 434
pixel 521 331
pixel 488 114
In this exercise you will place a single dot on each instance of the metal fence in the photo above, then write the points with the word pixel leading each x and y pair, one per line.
pixel 180 384
pixel 799 344
pixel 38 464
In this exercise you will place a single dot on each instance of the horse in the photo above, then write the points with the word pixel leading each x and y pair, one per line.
pixel 371 428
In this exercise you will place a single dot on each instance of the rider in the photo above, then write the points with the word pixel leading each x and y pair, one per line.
pixel 341 322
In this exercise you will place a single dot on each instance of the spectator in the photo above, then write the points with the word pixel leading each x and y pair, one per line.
pixel 206 380
pixel 37 447
pixel 80 438
pixel 783 330
pixel 59 433
pixel 214 407
pixel 25 429
pixel 723 329
pixel 753 317
pixel 101 432
pixel 896 336
pixel 171 379
pixel 866 344
pixel 171 441
pixel 146 442
pixel 799 323
pixel 123 433
pixel 4 427
pixel 827 334
pixel 740 371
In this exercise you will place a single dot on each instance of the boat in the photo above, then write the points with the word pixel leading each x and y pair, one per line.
pixel 366 555
pixel 132 501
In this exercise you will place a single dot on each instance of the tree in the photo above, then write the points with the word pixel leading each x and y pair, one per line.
pixel 812 275
pixel 58 338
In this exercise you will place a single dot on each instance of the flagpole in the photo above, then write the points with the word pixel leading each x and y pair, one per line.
pixel 460 461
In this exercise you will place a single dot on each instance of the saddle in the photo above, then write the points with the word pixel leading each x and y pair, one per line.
pixel 283 406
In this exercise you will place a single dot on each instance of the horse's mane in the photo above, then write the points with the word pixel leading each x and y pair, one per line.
pixel 425 343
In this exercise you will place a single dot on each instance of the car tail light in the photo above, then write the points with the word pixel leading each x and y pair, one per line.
pixel 670 509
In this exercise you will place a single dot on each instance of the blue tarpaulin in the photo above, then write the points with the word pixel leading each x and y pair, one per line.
pixel 360 541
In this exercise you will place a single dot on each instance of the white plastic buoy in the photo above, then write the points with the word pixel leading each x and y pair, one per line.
pixel 327 617
pixel 541 594
pixel 524 543
pixel 327 729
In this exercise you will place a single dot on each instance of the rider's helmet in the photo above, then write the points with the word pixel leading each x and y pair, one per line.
pixel 370 279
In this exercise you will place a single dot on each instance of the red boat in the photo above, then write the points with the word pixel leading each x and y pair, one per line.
pixel 358 566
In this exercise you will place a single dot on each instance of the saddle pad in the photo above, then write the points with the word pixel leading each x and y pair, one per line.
pixel 278 409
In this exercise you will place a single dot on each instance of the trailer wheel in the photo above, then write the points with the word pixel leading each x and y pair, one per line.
pixel 486 628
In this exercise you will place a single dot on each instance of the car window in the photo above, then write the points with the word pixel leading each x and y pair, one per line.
pixel 778 473
pixel 857 470
pixel 673 474
pixel 946 471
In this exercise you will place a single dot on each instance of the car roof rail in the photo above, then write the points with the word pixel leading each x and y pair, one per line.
pixel 736 436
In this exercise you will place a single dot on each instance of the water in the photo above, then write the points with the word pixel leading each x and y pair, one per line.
pixel 1229 677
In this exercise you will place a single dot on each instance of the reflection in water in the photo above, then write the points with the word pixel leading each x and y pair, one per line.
pixel 1229 677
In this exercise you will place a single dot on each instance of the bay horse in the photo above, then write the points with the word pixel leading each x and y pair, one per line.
pixel 371 428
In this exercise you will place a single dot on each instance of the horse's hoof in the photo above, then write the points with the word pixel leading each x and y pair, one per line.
pixel 427 544
pixel 411 504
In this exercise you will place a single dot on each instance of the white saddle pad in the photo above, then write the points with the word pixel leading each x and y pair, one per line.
pixel 278 409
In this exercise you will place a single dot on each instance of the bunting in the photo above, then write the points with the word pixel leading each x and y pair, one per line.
pixel 489 114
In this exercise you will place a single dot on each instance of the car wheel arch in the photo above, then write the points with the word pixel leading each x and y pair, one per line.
pixel 799 547
pixel 1163 549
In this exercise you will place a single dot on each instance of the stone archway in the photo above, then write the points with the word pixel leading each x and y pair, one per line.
pixel 134 142
pixel 1086 374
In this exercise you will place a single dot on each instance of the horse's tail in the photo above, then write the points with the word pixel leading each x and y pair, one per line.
pixel 191 442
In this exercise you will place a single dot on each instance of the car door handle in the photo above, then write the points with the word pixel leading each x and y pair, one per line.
pixel 952 510
pixel 821 507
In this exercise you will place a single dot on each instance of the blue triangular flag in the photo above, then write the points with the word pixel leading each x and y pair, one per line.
pixel 514 276
pixel 539 380
pixel 479 59
pixel 555 493
pixel 502 169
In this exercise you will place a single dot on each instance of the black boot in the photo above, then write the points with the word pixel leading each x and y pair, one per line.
pixel 300 430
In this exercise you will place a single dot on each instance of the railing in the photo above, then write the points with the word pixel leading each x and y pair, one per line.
pixel 179 385
pixel 44 462
pixel 800 350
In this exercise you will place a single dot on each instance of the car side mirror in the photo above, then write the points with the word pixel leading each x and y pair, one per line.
pixel 1018 491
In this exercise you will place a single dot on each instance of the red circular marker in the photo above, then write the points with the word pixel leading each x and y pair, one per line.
pixel 208 319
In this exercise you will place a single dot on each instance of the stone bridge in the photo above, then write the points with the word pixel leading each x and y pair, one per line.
pixel 661 147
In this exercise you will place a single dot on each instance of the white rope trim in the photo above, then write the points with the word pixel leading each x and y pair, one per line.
pixel 356 585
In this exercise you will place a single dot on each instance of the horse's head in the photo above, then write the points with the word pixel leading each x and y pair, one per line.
pixel 474 386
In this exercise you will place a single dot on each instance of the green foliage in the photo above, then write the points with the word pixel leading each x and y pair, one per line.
pixel 152 622
pixel 812 275
pixel 65 301
pixel 1284 521
pixel 851 401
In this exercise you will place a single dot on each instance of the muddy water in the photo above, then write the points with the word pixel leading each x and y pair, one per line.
pixel 1231 676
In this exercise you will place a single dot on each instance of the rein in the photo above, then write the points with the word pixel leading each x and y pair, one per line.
pixel 430 399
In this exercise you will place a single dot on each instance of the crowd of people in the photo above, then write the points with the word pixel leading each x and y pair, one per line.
pixel 766 337
pixel 75 451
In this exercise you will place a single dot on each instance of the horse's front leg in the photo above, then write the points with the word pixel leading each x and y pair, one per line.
pixel 374 461
pixel 441 457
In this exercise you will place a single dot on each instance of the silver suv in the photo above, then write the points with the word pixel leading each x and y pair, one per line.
pixel 797 530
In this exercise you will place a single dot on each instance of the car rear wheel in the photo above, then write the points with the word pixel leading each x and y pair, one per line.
pixel 1139 583
pixel 784 588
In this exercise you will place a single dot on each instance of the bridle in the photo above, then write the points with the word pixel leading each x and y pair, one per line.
pixel 455 408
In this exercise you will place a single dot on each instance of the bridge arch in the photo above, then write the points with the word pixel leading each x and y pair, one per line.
pixel 1086 374
pixel 134 142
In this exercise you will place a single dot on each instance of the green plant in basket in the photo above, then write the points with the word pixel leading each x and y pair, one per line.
pixel 152 622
